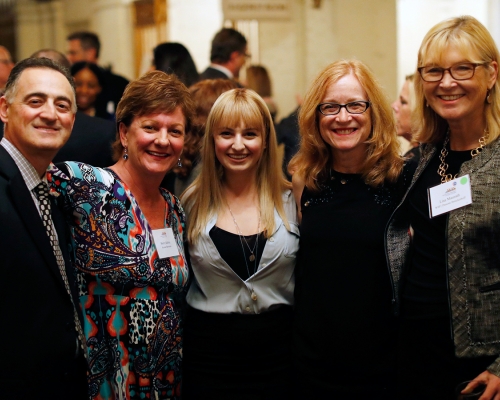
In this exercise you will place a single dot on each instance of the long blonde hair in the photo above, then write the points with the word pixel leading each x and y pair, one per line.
pixel 474 41
pixel 204 198
pixel 314 158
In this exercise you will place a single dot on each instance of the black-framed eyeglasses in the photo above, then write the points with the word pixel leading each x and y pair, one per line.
pixel 459 72
pixel 354 107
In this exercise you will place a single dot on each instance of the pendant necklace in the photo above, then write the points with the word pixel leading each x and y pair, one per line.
pixel 242 238
pixel 252 257
pixel 443 167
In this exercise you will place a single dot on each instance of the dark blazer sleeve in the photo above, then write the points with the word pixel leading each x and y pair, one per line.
pixel 39 349
pixel 90 142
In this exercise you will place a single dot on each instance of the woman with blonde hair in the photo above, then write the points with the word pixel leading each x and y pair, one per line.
pixel 449 271
pixel 242 239
pixel 347 177
pixel 403 107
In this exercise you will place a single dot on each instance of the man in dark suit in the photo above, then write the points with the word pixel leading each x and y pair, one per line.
pixel 40 353
pixel 85 46
pixel 227 55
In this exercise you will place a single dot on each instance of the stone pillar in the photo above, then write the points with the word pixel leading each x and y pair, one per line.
pixel 39 25
pixel 112 21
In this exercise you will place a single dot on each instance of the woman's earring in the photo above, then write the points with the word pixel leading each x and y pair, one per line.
pixel 488 96
pixel 179 163
pixel 125 155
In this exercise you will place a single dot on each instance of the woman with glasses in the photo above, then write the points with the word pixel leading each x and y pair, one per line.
pixel 347 178
pixel 449 270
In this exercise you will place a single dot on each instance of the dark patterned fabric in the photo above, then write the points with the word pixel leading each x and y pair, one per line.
pixel 473 255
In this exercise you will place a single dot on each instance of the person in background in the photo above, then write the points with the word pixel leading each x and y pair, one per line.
pixel 6 66
pixel 89 83
pixel 85 46
pixel 243 240
pixel 403 107
pixel 41 356
pixel 347 178
pixel 174 58
pixel 204 94
pixel 228 55
pixel 128 236
pixel 448 270
pixel 257 79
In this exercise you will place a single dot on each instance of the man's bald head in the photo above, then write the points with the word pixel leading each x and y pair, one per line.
pixel 53 55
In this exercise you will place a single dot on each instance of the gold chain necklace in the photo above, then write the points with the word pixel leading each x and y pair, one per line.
pixel 443 167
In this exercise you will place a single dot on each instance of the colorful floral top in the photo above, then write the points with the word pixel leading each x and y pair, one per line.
pixel 128 295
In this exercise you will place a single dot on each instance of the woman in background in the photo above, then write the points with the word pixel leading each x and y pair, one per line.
pixel 174 58
pixel 243 239
pixel 348 178
pixel 89 83
pixel 258 79
pixel 403 107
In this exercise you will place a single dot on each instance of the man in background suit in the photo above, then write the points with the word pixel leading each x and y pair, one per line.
pixel 40 353
pixel 227 55
pixel 85 46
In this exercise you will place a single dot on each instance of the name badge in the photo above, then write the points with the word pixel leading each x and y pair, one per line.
pixel 449 196
pixel 165 243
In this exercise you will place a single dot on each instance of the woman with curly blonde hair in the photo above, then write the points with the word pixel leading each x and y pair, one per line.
pixel 347 179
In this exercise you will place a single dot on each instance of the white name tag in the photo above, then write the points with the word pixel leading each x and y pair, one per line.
pixel 165 242
pixel 449 196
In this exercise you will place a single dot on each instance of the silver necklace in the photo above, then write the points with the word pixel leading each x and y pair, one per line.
pixel 252 251
pixel 443 167
pixel 253 295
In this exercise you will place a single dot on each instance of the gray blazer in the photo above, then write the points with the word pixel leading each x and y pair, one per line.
pixel 216 287
pixel 473 255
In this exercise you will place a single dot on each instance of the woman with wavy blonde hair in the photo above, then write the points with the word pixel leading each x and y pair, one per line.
pixel 242 238
pixel 347 177
pixel 450 274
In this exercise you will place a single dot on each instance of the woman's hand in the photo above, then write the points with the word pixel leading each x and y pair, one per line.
pixel 492 382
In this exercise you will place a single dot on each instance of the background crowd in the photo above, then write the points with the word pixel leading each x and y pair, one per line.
pixel 187 245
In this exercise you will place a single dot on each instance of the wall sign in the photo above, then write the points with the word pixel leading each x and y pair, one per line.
pixel 257 9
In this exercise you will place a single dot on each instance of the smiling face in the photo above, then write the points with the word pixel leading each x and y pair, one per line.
pixel 87 89
pixel 459 101
pixel 345 133
pixel 154 142
pixel 239 148
pixel 402 110
pixel 39 120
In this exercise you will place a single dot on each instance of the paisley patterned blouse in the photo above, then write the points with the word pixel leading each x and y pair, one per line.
pixel 128 295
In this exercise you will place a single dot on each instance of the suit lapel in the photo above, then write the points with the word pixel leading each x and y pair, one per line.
pixel 21 198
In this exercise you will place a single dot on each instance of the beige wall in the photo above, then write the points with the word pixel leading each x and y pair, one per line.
pixel 294 51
